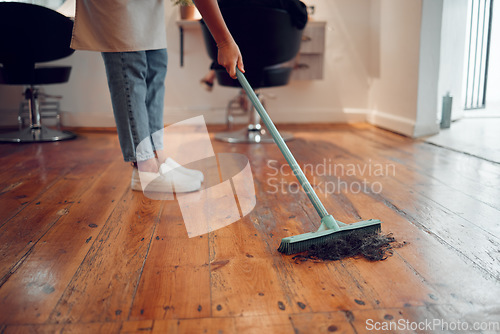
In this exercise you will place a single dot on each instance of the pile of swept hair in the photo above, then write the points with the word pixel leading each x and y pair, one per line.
pixel 373 247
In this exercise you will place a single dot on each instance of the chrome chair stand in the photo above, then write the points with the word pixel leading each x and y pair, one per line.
pixel 35 132
pixel 48 109
pixel 254 132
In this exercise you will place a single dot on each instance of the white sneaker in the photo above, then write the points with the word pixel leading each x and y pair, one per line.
pixel 171 164
pixel 169 182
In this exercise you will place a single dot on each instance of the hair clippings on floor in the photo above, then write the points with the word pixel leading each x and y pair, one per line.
pixel 374 247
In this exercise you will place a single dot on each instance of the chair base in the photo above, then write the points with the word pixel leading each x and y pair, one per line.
pixel 32 134
pixel 254 132
pixel 250 135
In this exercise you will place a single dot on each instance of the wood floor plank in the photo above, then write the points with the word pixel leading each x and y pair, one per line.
pixel 243 277
pixel 458 171
pixel 245 325
pixel 438 265
pixel 104 285
pixel 19 234
pixel 175 282
pixel 460 200
pixel 35 169
pixel 10 150
pixel 275 323
pixel 141 326
pixel 332 322
pixel 81 328
pixel 20 159
pixel 26 190
pixel 24 161
pixel 201 325
pixel 59 253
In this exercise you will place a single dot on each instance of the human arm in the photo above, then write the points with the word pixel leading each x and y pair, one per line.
pixel 229 55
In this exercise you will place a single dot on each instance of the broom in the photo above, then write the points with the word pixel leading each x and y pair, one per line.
pixel 330 229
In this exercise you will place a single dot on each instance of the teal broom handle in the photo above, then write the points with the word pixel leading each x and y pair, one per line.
pixel 282 146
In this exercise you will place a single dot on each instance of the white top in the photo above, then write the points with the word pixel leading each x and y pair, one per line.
pixel 119 25
pixel 68 8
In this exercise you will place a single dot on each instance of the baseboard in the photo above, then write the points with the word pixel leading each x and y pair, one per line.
pixel 288 116
pixel 422 130
pixel 319 115
pixel 397 124
pixel 212 116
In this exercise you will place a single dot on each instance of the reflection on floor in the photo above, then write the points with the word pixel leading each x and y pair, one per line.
pixel 479 137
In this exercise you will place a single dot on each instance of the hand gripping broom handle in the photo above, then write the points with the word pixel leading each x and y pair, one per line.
pixel 329 221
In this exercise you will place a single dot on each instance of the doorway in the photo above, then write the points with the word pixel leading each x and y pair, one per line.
pixel 477 54
pixel 476 88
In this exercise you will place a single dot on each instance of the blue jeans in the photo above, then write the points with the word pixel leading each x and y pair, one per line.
pixel 136 82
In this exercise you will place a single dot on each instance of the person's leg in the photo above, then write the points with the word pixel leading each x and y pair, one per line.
pixel 155 80
pixel 157 69
pixel 126 73
pixel 207 81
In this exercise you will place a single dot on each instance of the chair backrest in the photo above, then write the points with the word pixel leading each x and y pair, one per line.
pixel 264 35
pixel 30 34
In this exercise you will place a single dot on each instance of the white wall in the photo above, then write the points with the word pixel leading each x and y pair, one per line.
pixel 426 122
pixel 453 48
pixel 393 94
pixel 372 64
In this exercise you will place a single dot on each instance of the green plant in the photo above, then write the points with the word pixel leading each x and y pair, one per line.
pixel 183 2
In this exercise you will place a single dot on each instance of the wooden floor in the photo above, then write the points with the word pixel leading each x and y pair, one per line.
pixel 82 253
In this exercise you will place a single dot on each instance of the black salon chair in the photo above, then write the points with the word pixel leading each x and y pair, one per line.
pixel 31 34
pixel 267 41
